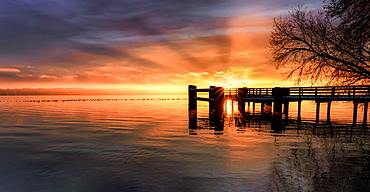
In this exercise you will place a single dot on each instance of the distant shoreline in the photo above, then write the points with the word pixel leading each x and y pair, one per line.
pixel 80 91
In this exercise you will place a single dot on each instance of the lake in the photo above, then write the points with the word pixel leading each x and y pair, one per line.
pixel 143 143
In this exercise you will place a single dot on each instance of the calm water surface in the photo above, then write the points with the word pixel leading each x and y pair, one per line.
pixel 142 143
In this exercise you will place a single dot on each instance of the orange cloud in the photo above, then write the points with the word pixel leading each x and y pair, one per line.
pixel 234 55
pixel 9 70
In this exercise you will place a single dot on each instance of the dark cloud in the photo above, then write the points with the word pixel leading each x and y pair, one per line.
pixel 31 25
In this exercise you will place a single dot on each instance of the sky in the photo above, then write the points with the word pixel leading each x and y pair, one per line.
pixel 139 44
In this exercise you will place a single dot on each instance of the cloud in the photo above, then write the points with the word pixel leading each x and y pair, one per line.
pixel 135 42
pixel 9 70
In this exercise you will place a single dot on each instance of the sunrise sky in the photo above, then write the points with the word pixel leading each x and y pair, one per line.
pixel 139 44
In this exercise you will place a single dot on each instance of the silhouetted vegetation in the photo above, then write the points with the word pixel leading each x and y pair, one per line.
pixel 330 46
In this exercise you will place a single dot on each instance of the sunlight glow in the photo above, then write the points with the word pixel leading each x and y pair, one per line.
pixel 230 107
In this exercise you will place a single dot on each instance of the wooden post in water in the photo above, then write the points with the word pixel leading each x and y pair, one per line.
pixel 216 107
pixel 254 108
pixel 242 93
pixel 278 94
pixel 328 113
pixel 355 106
pixel 366 108
pixel 299 110
pixel 249 108
pixel 232 107
pixel 286 110
pixel 220 101
pixel 212 104
pixel 192 91
pixel 317 111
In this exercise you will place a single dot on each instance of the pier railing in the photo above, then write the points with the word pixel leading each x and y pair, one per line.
pixel 340 93
pixel 259 91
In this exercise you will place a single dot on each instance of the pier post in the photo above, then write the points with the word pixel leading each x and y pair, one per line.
pixel 216 106
pixel 366 108
pixel 192 91
pixel 317 111
pixel 254 108
pixel 355 106
pixel 212 105
pixel 249 108
pixel 278 95
pixel 286 110
pixel 219 109
pixel 232 107
pixel 242 93
pixel 299 110
pixel 328 113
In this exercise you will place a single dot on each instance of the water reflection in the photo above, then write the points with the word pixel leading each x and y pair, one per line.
pixel 309 156
pixel 144 145
pixel 323 159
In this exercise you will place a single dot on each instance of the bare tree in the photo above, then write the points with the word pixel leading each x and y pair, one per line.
pixel 354 15
pixel 322 46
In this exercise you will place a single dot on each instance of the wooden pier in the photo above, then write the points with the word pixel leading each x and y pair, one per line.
pixel 275 101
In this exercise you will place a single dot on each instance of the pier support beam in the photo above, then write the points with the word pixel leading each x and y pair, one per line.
pixel 254 108
pixel 242 93
pixel 299 110
pixel 212 103
pixel 317 112
pixel 355 106
pixel 249 108
pixel 278 94
pixel 328 113
pixel 192 91
pixel 216 106
pixel 286 110
pixel 366 108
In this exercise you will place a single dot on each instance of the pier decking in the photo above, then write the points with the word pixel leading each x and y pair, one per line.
pixel 275 101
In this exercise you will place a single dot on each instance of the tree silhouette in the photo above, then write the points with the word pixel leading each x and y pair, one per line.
pixel 330 46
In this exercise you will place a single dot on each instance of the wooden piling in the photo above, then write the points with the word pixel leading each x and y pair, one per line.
pixel 328 113
pixel 286 110
pixel 219 108
pixel 249 108
pixel 211 107
pixel 299 110
pixel 232 108
pixel 216 106
pixel 366 108
pixel 278 95
pixel 355 106
pixel 254 108
pixel 192 91
pixel 317 112
pixel 242 93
